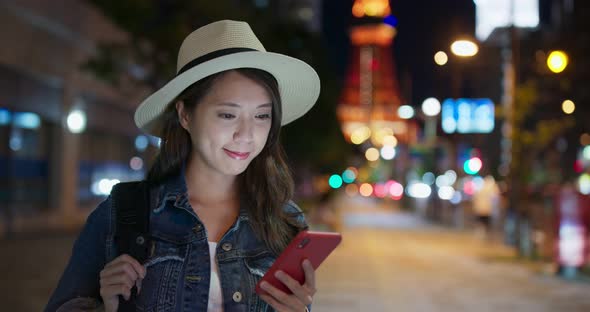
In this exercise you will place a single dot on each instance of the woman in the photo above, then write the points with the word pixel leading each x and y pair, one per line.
pixel 223 210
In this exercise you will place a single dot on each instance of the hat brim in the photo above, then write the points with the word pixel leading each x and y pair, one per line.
pixel 299 85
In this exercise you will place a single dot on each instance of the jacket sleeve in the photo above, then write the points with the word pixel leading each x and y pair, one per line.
pixel 81 276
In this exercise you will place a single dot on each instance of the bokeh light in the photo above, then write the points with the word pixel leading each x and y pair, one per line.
pixel 390 140
pixel 366 189
pixel 141 143
pixel 380 190
pixel 464 48
pixel 335 181
pixel 446 192
pixel 396 190
pixel 472 166
pixel 584 184
pixel 428 178
pixel 431 107
pixel 405 112
pixel 568 106
pixel 348 176
pixel 76 121
pixel 372 154
pixel 351 190
pixel 136 163
pixel 388 152
pixel 441 58
pixel 360 135
pixel 557 61
pixel 419 190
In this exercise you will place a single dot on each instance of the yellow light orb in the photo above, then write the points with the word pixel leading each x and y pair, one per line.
pixel 568 106
pixel 390 140
pixel 366 189
pixel 360 135
pixel 374 8
pixel 441 58
pixel 372 154
pixel 380 134
pixel 557 61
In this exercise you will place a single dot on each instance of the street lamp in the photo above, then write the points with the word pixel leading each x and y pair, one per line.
pixel 464 48
pixel 431 107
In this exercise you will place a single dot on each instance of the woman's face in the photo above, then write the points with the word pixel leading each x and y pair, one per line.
pixel 230 126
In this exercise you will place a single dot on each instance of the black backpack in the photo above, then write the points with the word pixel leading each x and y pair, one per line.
pixel 132 202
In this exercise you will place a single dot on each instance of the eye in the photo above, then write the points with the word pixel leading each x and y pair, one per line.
pixel 226 116
pixel 264 116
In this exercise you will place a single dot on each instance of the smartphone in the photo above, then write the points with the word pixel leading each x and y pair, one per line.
pixel 315 246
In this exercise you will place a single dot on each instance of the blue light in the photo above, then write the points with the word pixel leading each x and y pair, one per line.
pixel 155 141
pixel 5 117
pixel 468 115
pixel 27 120
pixel 141 143
pixel 348 176
pixel 390 20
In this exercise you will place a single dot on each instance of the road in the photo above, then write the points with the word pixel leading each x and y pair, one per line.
pixel 388 261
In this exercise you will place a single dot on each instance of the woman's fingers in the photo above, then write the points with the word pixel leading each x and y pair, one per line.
pixel 138 285
pixel 115 290
pixel 302 294
pixel 135 265
pixel 282 300
pixel 297 289
pixel 274 303
pixel 118 278
pixel 309 276
pixel 122 268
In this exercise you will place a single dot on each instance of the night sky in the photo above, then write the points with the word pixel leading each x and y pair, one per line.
pixel 424 27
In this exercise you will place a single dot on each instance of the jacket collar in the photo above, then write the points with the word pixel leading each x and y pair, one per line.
pixel 174 189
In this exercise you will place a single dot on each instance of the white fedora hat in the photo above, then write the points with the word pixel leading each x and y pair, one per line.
pixel 226 45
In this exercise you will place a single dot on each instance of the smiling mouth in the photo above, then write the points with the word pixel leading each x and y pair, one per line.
pixel 236 155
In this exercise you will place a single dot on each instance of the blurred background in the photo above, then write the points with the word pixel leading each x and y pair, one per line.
pixel 450 144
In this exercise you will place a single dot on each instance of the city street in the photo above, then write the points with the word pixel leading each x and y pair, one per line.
pixel 388 261
pixel 404 265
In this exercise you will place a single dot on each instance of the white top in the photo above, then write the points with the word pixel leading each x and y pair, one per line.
pixel 215 295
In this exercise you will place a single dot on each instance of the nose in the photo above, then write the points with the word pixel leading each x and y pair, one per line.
pixel 244 132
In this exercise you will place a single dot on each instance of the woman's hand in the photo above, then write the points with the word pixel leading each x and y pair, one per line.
pixel 118 278
pixel 302 294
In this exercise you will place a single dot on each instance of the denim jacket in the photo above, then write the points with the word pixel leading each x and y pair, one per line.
pixel 178 265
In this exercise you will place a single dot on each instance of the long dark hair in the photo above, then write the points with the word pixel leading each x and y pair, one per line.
pixel 265 186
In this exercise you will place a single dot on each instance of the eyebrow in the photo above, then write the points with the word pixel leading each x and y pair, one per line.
pixel 237 105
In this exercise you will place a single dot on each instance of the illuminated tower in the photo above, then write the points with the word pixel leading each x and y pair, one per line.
pixel 371 97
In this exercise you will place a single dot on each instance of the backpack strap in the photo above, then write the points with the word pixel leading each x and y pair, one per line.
pixel 132 202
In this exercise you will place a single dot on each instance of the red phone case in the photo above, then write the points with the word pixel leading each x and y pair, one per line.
pixel 315 246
